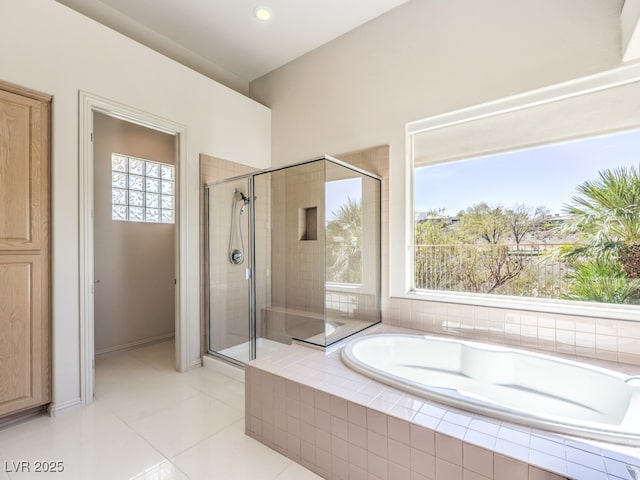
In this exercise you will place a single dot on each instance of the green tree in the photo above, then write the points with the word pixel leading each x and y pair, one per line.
pixel 434 229
pixel 522 220
pixel 607 212
pixel 494 224
pixel 600 280
pixel 471 252
pixel 484 222
pixel 433 255
pixel 344 244
pixel 483 269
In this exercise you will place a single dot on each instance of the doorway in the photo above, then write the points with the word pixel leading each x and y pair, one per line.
pixel 89 105
pixel 134 234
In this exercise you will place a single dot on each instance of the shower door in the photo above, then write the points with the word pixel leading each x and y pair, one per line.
pixel 229 266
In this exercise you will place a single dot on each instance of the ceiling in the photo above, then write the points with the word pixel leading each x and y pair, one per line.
pixel 222 38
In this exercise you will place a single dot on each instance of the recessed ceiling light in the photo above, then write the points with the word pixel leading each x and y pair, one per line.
pixel 262 13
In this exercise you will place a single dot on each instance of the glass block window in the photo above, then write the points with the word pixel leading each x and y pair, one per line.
pixel 142 190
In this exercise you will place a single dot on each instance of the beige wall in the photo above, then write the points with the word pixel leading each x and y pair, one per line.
pixel 135 262
pixel 427 57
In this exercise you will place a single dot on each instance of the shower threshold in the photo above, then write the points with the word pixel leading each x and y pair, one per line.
pixel 240 352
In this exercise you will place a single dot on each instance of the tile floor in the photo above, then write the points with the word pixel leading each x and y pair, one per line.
pixel 148 422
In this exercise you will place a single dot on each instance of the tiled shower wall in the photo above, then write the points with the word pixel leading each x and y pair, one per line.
pixel 298 279
pixel 300 283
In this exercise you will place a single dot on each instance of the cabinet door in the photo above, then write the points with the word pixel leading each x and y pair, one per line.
pixel 24 253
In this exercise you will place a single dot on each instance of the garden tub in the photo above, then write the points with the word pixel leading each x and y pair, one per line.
pixel 508 384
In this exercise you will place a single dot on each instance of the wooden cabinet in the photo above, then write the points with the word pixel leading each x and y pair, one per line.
pixel 25 325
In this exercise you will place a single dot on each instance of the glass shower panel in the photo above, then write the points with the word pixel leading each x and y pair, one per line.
pixel 293 253
pixel 293 303
pixel 352 239
pixel 228 264
pixel 268 338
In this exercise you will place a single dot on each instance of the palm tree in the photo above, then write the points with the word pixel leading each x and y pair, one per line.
pixel 344 244
pixel 599 280
pixel 607 210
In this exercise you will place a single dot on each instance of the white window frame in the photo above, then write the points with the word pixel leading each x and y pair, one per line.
pixel 404 269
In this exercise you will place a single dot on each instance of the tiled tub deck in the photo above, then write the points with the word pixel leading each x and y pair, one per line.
pixel 309 406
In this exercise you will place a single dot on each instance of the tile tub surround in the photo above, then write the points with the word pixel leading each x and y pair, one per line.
pixel 308 405
pixel 588 337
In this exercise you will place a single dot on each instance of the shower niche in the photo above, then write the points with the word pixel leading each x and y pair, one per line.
pixel 292 255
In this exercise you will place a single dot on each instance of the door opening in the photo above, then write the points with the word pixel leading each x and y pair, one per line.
pixel 134 234
pixel 92 108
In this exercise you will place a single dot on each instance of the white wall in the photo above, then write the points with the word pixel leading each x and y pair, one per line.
pixel 630 23
pixel 423 58
pixel 48 47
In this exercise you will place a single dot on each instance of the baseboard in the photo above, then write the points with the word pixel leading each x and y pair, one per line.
pixel 56 409
pixel 197 363
pixel 139 343
pixel 22 416
pixel 231 371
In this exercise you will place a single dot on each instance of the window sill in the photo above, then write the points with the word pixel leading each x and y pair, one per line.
pixel 561 307
pixel 343 287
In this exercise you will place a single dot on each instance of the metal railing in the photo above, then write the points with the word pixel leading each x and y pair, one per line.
pixel 506 269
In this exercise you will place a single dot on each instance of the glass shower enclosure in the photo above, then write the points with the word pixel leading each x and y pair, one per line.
pixel 292 255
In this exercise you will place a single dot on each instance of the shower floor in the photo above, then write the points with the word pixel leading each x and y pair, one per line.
pixel 240 352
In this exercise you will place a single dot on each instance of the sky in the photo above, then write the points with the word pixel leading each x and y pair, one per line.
pixel 337 193
pixel 543 176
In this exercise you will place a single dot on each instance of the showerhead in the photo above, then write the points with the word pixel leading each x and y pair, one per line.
pixel 243 197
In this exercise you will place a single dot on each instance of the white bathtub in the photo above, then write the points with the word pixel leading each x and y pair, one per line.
pixel 527 388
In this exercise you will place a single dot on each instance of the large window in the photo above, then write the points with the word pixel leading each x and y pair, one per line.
pixel 560 221
pixel 142 190
pixel 533 196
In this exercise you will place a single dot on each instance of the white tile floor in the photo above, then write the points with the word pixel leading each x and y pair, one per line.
pixel 148 422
